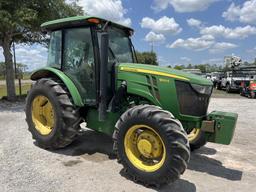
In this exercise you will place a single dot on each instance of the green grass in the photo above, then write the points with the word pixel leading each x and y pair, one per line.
pixel 26 76
pixel 24 89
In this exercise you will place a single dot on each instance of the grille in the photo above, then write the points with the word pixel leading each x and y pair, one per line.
pixel 190 101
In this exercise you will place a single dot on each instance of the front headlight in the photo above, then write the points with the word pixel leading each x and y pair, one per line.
pixel 202 89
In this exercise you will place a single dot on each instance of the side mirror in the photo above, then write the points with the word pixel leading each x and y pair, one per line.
pixel 103 76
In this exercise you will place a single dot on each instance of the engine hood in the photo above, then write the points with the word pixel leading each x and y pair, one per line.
pixel 163 71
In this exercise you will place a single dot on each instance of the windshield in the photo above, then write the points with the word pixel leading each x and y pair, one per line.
pixel 120 45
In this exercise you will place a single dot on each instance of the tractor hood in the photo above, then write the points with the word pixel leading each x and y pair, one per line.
pixel 163 71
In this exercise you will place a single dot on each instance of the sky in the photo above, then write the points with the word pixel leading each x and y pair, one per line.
pixel 181 31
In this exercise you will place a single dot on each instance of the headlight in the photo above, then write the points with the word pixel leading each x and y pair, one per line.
pixel 202 89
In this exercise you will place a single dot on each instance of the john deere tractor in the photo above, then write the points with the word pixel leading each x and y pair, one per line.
pixel 154 114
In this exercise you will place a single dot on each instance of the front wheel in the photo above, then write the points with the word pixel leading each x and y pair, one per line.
pixel 151 145
pixel 196 138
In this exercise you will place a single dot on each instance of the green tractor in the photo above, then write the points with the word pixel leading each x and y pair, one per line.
pixel 154 114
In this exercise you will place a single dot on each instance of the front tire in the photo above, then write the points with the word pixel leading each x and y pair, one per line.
pixel 196 139
pixel 151 145
pixel 51 117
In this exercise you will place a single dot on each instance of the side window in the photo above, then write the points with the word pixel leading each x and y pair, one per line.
pixel 78 61
pixel 54 53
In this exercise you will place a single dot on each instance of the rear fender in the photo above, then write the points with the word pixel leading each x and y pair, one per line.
pixel 52 72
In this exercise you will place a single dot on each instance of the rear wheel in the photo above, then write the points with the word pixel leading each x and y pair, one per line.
pixel 52 118
pixel 228 88
pixel 218 86
pixel 151 145
pixel 196 138
pixel 253 95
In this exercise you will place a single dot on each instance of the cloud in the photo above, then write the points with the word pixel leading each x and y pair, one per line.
pixel 183 6
pixel 230 33
pixel 202 43
pixel 111 9
pixel 244 13
pixel 163 25
pixel 154 37
pixel 253 50
pixel 34 56
pixel 185 59
pixel 222 46
pixel 197 44
pixel 194 23
pixel 212 61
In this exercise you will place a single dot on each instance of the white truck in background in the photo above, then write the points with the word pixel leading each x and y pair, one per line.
pixel 232 79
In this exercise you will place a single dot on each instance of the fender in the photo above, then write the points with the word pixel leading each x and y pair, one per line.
pixel 51 72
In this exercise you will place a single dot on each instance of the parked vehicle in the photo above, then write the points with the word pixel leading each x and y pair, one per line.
pixel 216 79
pixel 248 88
pixel 237 74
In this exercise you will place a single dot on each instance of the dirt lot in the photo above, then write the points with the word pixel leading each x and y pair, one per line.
pixel 87 165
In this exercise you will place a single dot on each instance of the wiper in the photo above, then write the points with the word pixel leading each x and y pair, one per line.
pixel 113 54
pixel 133 51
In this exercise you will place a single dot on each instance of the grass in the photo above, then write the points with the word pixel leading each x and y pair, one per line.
pixel 26 76
pixel 24 89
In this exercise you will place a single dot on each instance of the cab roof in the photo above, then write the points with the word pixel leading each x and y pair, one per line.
pixel 77 21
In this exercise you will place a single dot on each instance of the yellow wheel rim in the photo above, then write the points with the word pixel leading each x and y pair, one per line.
pixel 43 115
pixel 193 134
pixel 144 148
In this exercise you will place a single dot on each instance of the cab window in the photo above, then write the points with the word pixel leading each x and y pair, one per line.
pixel 54 52
pixel 78 61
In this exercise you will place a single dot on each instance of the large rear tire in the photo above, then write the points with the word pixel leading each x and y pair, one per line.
pixel 151 145
pixel 52 118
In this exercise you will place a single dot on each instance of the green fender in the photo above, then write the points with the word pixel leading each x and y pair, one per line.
pixel 49 72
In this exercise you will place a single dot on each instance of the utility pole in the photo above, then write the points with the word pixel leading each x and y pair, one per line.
pixel 15 69
pixel 152 46
pixel 14 60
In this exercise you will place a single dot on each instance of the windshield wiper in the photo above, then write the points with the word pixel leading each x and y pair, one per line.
pixel 113 54
pixel 133 51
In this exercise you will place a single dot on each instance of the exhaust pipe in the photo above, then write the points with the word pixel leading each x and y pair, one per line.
pixel 103 76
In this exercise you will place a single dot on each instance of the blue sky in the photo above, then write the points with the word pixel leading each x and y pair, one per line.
pixel 182 31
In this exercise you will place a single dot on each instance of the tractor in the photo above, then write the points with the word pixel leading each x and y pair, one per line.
pixel 155 115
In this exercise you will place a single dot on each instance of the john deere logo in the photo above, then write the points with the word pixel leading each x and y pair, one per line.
pixel 164 80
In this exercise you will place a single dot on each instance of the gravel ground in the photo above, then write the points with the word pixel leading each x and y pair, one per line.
pixel 87 165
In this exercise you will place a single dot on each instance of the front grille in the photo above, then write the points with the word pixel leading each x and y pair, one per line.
pixel 190 101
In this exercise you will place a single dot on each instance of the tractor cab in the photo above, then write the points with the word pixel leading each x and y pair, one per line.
pixel 76 45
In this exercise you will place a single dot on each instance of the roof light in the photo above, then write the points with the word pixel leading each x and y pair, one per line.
pixel 93 20
pixel 131 32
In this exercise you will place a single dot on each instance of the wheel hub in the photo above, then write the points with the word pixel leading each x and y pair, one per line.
pixel 42 115
pixel 149 144
pixel 144 148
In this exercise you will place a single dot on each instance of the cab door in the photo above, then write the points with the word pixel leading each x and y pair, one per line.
pixel 78 61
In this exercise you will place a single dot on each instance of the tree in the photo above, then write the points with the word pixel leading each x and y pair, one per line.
pixel 149 58
pixel 2 69
pixel 20 22
pixel 179 67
